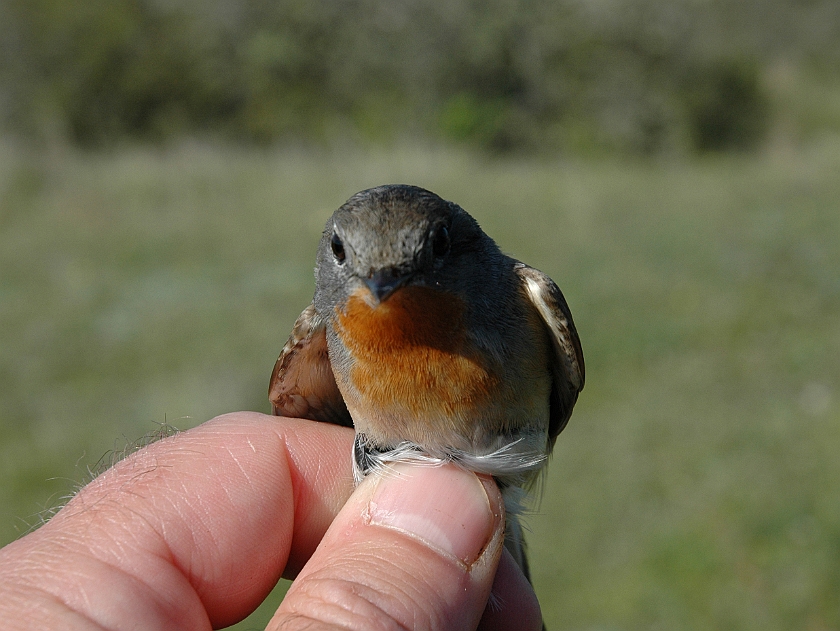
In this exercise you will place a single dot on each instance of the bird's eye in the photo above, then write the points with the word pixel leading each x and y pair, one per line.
pixel 440 242
pixel 337 246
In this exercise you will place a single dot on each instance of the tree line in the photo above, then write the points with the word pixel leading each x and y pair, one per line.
pixel 636 76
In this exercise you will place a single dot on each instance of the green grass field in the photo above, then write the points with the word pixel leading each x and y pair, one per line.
pixel 698 483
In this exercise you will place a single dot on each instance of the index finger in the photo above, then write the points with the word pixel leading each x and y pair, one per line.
pixel 206 519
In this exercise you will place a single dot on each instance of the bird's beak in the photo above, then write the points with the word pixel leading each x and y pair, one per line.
pixel 382 283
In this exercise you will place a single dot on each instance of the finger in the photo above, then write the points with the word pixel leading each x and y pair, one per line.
pixel 513 603
pixel 195 527
pixel 416 547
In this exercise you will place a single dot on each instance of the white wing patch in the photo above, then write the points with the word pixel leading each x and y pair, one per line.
pixel 549 316
pixel 555 321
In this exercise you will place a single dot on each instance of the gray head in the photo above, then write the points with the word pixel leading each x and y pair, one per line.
pixel 391 236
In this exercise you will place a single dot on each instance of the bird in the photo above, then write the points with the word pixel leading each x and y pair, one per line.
pixel 433 344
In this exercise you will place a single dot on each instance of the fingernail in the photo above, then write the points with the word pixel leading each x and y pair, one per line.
pixel 444 506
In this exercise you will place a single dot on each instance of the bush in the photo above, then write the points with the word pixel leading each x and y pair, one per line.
pixel 726 107
pixel 506 75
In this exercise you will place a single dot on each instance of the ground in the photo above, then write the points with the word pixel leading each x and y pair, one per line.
pixel 697 483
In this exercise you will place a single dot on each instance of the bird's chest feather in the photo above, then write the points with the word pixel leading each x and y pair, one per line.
pixel 409 359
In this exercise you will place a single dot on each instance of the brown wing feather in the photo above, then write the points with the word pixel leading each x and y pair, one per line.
pixel 567 365
pixel 302 383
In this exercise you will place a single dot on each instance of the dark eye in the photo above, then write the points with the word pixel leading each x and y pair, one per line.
pixel 337 246
pixel 440 242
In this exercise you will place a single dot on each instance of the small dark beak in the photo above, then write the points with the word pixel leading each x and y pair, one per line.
pixel 382 283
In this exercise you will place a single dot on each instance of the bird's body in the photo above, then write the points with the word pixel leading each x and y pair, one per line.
pixel 430 341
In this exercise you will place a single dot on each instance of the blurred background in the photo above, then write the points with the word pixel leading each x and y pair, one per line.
pixel 167 166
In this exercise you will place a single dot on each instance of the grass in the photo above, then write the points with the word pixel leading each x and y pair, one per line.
pixel 698 483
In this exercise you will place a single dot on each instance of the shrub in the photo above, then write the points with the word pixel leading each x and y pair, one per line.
pixel 640 76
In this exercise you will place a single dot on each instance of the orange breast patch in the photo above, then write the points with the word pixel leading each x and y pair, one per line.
pixel 411 351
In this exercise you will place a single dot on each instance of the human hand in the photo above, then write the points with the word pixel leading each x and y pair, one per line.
pixel 193 531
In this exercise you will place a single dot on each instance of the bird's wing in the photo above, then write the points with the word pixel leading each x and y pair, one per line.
pixel 302 382
pixel 567 362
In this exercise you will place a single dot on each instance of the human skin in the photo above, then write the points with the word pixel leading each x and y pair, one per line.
pixel 192 532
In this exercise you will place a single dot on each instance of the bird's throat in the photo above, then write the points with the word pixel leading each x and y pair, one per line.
pixel 411 360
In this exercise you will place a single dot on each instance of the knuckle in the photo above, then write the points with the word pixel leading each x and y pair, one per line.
pixel 341 604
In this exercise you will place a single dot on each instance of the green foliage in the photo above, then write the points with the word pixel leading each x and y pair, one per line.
pixel 726 107
pixel 696 485
pixel 101 70
pixel 633 76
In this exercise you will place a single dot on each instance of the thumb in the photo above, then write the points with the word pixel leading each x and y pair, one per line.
pixel 415 547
